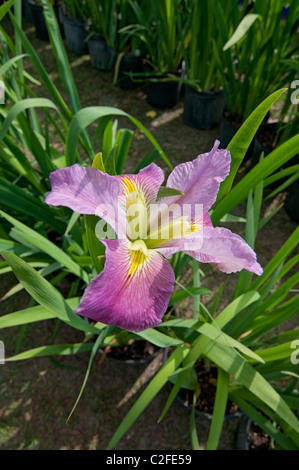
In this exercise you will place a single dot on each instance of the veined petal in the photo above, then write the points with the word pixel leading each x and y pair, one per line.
pixel 199 179
pixel 191 239
pixel 147 182
pixel 138 193
pixel 134 289
pixel 87 191
pixel 227 250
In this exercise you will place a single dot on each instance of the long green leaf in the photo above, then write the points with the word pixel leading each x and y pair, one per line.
pixel 235 365
pixel 46 246
pixel 5 8
pixel 32 314
pixel 241 141
pixel 241 30
pixel 219 410
pixel 21 106
pixel 262 170
pixel 53 350
pixel 45 294
pixel 86 116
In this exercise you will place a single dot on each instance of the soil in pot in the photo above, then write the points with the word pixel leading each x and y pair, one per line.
pixel 207 379
pixel 264 142
pixel 101 56
pixel 75 34
pixel 202 110
pixel 128 66
pixel 128 350
pixel 251 437
pixel 138 352
pixel 229 126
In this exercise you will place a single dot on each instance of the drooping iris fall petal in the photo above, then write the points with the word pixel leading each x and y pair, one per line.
pixel 132 292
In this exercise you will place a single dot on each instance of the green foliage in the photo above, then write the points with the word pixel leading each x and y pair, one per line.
pixel 253 361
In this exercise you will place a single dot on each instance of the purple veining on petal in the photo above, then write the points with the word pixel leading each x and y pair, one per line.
pixel 148 180
pixel 133 302
pixel 87 191
pixel 200 179
pixel 227 250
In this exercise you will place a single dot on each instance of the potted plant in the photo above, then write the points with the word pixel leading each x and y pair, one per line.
pixel 203 97
pixel 158 27
pixel 74 18
pixel 36 7
pixel 129 62
pixel 103 25
pixel 254 62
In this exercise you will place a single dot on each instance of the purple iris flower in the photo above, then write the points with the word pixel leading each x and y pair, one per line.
pixel 134 289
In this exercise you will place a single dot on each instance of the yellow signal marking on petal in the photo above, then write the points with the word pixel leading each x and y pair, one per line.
pixel 138 258
pixel 139 253
pixel 129 185
pixel 194 228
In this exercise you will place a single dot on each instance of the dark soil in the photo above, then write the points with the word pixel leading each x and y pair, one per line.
pixel 207 380
pixel 235 121
pixel 138 351
pixel 257 438
pixel 267 137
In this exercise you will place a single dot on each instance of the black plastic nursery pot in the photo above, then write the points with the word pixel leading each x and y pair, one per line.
pixel 204 406
pixel 291 204
pixel 102 57
pixel 203 110
pixel 138 353
pixel 27 11
pixel 164 93
pixel 228 128
pixel 75 34
pixel 264 141
pixel 39 22
pixel 129 65
pixel 250 436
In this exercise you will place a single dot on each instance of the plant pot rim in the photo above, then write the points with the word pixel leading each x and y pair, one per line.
pixel 96 36
pixel 208 94
pixel 228 417
pixel 133 362
pixel 80 21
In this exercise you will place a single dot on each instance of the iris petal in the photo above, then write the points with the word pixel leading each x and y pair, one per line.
pixel 132 292
pixel 87 191
pixel 227 250
pixel 199 179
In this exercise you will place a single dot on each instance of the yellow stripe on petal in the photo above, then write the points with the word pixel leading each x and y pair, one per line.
pixel 129 185
pixel 139 253
pixel 137 259
pixel 195 227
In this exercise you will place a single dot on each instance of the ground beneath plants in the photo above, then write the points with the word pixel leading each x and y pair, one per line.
pixel 38 395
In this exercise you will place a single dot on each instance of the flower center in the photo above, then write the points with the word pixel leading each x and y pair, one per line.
pixel 139 253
